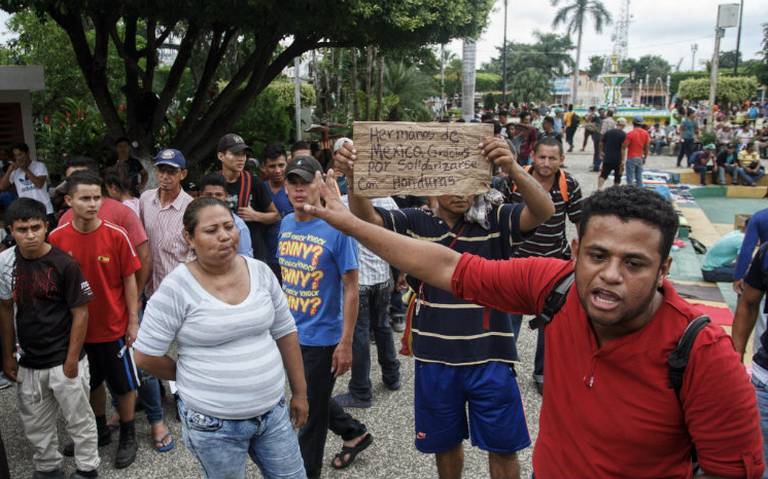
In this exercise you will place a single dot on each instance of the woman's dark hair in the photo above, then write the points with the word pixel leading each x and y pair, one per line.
pixel 192 213
pixel 24 209
pixel 84 177
pixel 113 177
pixel 633 203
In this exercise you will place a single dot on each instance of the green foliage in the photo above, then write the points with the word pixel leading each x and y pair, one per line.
pixel 487 81
pixel 270 118
pixel 550 54
pixel 675 78
pixel 595 66
pixel 729 89
pixel 76 128
pixel 40 41
pixel 530 85
pixel 237 43
pixel 410 87
pixel 652 65
pixel 575 13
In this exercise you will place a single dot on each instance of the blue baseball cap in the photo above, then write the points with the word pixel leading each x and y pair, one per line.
pixel 171 157
pixel 638 120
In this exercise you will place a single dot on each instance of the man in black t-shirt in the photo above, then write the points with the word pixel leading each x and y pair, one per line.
pixel 51 295
pixel 611 147
pixel 246 196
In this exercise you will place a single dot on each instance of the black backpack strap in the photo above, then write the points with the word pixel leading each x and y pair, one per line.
pixel 678 358
pixel 554 301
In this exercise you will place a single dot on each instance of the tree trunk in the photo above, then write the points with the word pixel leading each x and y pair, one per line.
pixel 353 84
pixel 339 77
pixel 575 88
pixel 380 87
pixel 368 81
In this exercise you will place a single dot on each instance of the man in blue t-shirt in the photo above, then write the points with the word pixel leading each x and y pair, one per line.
pixel 465 353
pixel 747 311
pixel 274 170
pixel 320 279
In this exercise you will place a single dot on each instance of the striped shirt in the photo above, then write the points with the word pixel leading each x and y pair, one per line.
pixel 228 363
pixel 165 229
pixel 549 238
pixel 373 270
pixel 446 329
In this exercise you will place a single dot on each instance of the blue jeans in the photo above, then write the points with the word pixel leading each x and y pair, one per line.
pixel 749 178
pixel 372 317
pixel 761 389
pixel 635 171
pixel 221 446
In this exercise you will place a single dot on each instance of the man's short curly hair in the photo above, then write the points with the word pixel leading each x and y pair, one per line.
pixel 633 203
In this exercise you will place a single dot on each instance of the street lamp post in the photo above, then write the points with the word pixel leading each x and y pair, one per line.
pixel 727 17
pixel 504 59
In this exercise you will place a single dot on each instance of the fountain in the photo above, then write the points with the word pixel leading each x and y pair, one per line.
pixel 613 82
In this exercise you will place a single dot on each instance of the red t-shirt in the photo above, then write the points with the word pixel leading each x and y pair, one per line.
pixel 608 411
pixel 636 141
pixel 106 256
pixel 118 214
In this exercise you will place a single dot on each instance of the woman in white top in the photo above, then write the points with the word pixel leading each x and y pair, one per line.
pixel 234 335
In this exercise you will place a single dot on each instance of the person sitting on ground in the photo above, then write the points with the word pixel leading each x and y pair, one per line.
pixel 119 189
pixel 720 261
pixel 234 335
pixel 751 170
pixel 724 134
pixel 608 344
pixel 658 139
pixel 704 161
pixel 745 134
pixel 52 370
pixel 726 163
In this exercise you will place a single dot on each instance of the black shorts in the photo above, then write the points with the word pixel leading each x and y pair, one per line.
pixel 607 168
pixel 112 362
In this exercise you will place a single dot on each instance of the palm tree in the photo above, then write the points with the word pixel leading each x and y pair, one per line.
pixel 574 16
pixel 406 88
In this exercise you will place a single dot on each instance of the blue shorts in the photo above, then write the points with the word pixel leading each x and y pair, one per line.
pixel 496 417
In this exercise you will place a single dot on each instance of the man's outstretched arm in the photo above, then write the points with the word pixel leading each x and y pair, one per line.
pixel 432 263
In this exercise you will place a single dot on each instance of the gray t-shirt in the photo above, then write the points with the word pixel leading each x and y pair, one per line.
pixel 228 364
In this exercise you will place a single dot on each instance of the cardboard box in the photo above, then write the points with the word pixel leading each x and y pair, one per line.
pixel 740 221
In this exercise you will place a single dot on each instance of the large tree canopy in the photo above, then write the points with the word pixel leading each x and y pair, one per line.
pixel 269 35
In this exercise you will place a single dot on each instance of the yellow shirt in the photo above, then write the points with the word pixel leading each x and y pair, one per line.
pixel 745 157
pixel 568 118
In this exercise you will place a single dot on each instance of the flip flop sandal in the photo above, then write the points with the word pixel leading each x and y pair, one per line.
pixel 351 453
pixel 160 445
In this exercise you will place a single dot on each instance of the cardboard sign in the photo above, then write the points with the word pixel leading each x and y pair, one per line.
pixel 422 159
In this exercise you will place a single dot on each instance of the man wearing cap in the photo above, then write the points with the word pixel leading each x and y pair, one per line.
pixel 247 197
pixel 703 161
pixel 161 211
pixel 316 262
pixel 636 147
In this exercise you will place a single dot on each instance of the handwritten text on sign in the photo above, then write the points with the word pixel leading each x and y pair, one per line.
pixel 423 159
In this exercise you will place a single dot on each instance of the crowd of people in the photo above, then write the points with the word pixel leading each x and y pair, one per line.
pixel 220 293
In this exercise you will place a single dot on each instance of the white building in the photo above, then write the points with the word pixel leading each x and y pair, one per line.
pixel 16 85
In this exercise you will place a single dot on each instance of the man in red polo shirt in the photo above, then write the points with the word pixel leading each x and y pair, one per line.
pixel 609 410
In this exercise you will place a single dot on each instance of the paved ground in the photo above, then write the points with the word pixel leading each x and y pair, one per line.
pixel 392 454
